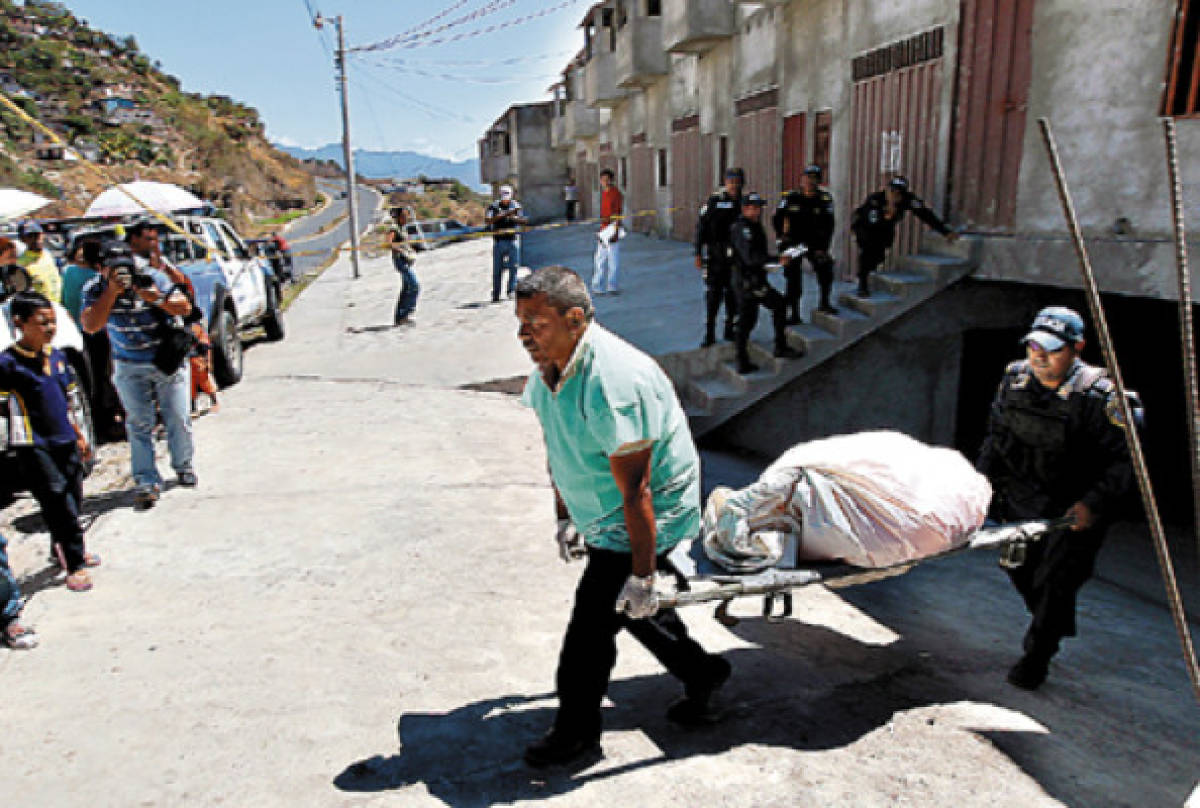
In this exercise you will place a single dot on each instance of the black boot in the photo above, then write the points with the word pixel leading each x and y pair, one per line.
pixel 556 748
pixel 730 330
pixel 709 337
pixel 695 708
pixel 826 306
pixel 1030 671
pixel 745 365
pixel 794 318
pixel 787 352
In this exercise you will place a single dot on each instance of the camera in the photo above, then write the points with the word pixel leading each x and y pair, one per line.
pixel 13 278
pixel 117 255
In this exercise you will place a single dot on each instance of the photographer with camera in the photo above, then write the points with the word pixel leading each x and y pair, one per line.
pixel 140 299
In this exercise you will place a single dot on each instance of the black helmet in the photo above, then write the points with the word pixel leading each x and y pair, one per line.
pixel 735 174
pixel 813 170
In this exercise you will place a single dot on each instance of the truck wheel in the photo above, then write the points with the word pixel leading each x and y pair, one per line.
pixel 273 319
pixel 227 350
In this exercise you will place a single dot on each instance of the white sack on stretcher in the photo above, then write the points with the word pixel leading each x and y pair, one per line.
pixel 872 499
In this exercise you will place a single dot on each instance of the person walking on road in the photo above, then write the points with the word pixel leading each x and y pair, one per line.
pixel 403 257
pixel 607 260
pixel 874 226
pixel 571 198
pixel 712 255
pixel 626 479
pixel 805 219
pixel 1055 447
pixel 503 218
pixel 748 246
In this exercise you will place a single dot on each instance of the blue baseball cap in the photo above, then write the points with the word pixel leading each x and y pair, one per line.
pixel 1054 327
pixel 753 198
pixel 28 228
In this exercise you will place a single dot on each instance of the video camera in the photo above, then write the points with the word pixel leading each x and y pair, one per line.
pixel 13 278
pixel 116 255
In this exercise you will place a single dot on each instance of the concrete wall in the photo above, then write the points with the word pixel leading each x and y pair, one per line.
pixel 1097 76
pixel 539 170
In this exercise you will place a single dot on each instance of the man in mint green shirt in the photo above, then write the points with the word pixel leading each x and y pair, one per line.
pixel 626 478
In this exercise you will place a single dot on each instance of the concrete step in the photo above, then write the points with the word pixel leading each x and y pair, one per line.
pixel 845 323
pixel 967 248
pixel 941 269
pixel 809 337
pixel 763 356
pixel 872 306
pixel 899 284
pixel 706 392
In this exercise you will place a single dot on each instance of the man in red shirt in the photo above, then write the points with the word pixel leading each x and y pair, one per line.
pixel 608 247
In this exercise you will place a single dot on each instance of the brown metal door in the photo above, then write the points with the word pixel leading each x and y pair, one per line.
pixel 688 187
pixel 994 70
pixel 640 208
pixel 895 116
pixel 793 149
pixel 585 181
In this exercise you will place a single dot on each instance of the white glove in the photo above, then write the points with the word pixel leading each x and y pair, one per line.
pixel 570 543
pixel 638 598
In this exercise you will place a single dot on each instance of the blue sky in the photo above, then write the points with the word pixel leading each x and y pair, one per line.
pixel 435 99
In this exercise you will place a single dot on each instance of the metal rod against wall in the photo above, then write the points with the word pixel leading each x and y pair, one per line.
pixel 1186 327
pixel 1141 472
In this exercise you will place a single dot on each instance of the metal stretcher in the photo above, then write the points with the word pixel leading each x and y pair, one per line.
pixel 775 585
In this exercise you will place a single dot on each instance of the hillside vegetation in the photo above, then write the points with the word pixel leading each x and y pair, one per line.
pixel 116 106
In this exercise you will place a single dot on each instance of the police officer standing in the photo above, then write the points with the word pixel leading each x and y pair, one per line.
pixel 1054 448
pixel 748 245
pixel 804 218
pixel 712 241
pixel 874 225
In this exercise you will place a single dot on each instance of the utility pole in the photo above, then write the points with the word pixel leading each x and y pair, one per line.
pixel 347 152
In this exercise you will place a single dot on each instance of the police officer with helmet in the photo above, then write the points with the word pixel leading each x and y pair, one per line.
pixel 748 244
pixel 1055 447
pixel 804 218
pixel 712 245
pixel 874 225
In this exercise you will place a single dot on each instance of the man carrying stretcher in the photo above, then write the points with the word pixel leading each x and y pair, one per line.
pixel 626 477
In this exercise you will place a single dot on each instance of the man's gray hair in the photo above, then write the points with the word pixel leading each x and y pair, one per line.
pixel 563 288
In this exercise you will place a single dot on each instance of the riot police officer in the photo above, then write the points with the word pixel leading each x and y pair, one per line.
pixel 874 225
pixel 805 218
pixel 1055 447
pixel 712 245
pixel 748 245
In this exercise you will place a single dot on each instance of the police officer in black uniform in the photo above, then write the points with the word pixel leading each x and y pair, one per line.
pixel 748 244
pixel 1055 447
pixel 804 218
pixel 712 245
pixel 874 225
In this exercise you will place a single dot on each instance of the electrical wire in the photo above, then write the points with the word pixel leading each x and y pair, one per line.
pixel 403 42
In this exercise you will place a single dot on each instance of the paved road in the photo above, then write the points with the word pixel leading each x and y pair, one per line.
pixel 362 605
pixel 313 252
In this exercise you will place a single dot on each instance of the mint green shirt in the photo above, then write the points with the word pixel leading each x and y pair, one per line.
pixel 612 400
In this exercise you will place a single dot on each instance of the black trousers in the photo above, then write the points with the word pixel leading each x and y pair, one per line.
pixel 570 210
pixel 750 297
pixel 718 289
pixel 1055 569
pixel 106 404
pixel 870 257
pixel 55 478
pixel 793 273
pixel 589 648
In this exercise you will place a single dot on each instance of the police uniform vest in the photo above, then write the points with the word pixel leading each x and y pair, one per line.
pixel 1045 440
pixel 716 217
pixel 809 219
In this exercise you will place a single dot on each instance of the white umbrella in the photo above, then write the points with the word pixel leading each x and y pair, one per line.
pixel 15 203
pixel 160 196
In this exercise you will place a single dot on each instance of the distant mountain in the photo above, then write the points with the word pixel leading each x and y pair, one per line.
pixel 397 164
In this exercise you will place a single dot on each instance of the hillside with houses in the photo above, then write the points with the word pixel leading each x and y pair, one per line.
pixel 113 105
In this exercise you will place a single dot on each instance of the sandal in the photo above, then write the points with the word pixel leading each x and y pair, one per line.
pixel 79 581
pixel 18 637
pixel 91 560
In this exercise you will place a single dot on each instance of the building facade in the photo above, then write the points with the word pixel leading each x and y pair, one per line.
pixel 517 150
pixel 669 93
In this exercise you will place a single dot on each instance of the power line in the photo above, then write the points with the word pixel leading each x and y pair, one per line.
pixel 470 79
pixel 430 109
pixel 436 17
pixel 491 7
pixel 409 42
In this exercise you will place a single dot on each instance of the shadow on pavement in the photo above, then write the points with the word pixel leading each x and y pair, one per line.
pixel 472 755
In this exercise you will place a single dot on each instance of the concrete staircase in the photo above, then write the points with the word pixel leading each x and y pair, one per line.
pixel 714 392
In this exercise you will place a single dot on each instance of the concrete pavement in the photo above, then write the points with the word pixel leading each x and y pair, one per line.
pixel 362 605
